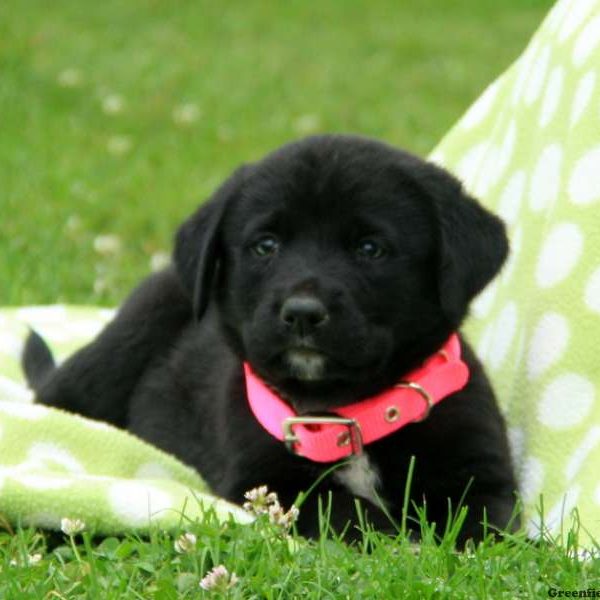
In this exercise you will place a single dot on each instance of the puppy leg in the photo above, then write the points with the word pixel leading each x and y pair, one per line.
pixel 496 512
pixel 98 380
pixel 343 515
pixel 337 506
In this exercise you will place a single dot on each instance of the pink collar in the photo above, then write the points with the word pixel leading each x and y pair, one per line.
pixel 346 429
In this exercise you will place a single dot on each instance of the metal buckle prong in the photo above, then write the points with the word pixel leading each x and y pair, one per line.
pixel 424 394
pixel 352 436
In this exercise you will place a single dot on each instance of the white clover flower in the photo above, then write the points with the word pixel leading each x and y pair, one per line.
pixel 260 502
pixel 218 580
pixel 71 527
pixel 69 78
pixel 255 493
pixel 277 516
pixel 306 124
pixel 73 224
pixel 118 145
pixel 34 559
pixel 290 517
pixel 100 285
pixel 159 260
pixel 107 244
pixel 186 114
pixel 185 543
pixel 225 133
pixel 112 104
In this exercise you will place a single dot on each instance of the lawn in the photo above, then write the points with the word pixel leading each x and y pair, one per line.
pixel 263 563
pixel 116 119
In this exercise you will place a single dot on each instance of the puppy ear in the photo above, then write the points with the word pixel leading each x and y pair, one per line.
pixel 198 243
pixel 472 243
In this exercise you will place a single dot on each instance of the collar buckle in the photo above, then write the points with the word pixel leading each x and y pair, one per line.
pixel 351 437
pixel 411 385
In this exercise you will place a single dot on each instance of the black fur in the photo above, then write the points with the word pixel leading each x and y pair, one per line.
pixel 38 362
pixel 308 222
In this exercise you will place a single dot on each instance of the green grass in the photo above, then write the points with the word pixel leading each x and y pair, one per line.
pixel 270 566
pixel 92 141
pixel 259 73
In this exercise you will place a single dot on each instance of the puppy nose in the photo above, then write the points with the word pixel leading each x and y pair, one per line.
pixel 303 313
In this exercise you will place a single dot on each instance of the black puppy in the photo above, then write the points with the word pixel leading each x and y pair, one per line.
pixel 333 267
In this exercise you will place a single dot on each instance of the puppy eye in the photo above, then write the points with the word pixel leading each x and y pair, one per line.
pixel 370 249
pixel 265 246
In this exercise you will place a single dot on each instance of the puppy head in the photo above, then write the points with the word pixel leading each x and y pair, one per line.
pixel 342 263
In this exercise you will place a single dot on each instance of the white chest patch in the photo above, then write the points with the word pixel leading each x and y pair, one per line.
pixel 361 478
pixel 306 365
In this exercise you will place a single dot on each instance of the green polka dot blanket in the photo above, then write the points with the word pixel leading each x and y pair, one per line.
pixel 529 149
pixel 55 465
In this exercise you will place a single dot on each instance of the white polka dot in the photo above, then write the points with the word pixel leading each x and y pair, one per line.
pixel 485 342
pixel 438 158
pixel 519 352
pixel 597 495
pixel 516 244
pixel 560 513
pixel 566 401
pixel 495 162
pixel 45 520
pixel 224 510
pixel 12 392
pixel 481 108
pixel 483 303
pixel 557 14
pixel 504 332
pixel 471 162
pixel 506 151
pixel 552 96
pixel 587 41
pixel 523 69
pixel 574 18
pixel 107 314
pixel 592 291
pixel 97 425
pixel 516 441
pixel 537 76
pixel 22 410
pixel 559 516
pixel 545 180
pixel 548 343
pixel 532 478
pixel 54 334
pixel 534 527
pixel 582 452
pixel 560 252
pixel 85 328
pixel 583 95
pixel 485 175
pixel 40 315
pixel 153 470
pixel 50 456
pixel 11 344
pixel 584 183
pixel 41 482
pixel 511 197
pixel 135 503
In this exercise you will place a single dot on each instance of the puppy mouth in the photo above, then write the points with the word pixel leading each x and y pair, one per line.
pixel 305 364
